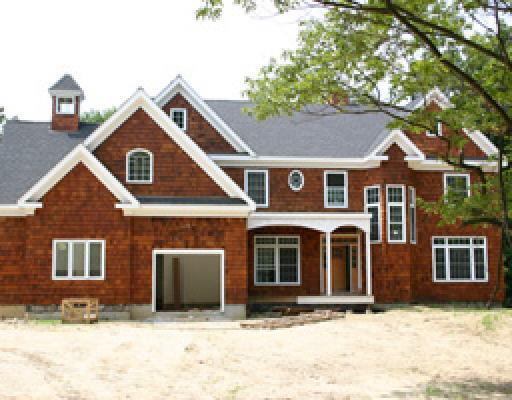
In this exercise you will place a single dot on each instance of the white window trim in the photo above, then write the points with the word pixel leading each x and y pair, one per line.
pixel 302 180
pixel 345 197
pixel 388 220
pixel 412 210
pixel 276 259
pixel 136 181
pixel 449 174
pixel 446 248
pixel 70 259
pixel 267 186
pixel 73 102
pixel 379 209
pixel 184 110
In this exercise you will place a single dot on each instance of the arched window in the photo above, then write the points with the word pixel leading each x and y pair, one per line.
pixel 139 166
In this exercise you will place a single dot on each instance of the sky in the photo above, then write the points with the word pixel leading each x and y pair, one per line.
pixel 112 47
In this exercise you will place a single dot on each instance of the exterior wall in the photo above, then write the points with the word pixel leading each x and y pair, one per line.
pixel 65 123
pixel 175 173
pixel 80 207
pixel 199 129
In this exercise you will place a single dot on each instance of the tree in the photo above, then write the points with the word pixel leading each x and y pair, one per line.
pixel 2 116
pixel 96 116
pixel 382 53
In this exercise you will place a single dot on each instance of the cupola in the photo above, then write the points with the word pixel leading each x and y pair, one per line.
pixel 66 97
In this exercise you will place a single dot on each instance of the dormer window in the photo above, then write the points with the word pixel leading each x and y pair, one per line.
pixel 65 105
pixel 179 116
pixel 139 166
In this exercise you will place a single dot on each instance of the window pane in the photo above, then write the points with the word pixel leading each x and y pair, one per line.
pixel 178 116
pixel 396 232
pixel 139 168
pixel 265 240
pixel 459 241
pixel 439 241
pixel 460 267
pixel 288 264
pixel 457 186
pixel 257 187
pixel 295 180
pixel 479 260
pixel 78 266
pixel 478 241
pixel 288 240
pixel 336 196
pixel 372 195
pixel 440 263
pixel 61 259
pixel 395 214
pixel 395 195
pixel 65 105
pixel 336 180
pixel 374 223
pixel 265 265
pixel 95 256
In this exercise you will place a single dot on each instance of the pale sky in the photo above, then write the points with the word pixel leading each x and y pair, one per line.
pixel 111 47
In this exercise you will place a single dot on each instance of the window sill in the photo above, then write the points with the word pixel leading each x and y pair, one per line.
pixel 277 284
pixel 66 278
pixel 455 281
pixel 139 182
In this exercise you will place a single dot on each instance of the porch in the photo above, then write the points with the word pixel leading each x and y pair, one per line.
pixel 334 260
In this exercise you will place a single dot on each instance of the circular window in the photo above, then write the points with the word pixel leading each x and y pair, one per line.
pixel 296 180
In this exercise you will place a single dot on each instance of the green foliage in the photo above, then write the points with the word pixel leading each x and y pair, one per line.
pixel 96 116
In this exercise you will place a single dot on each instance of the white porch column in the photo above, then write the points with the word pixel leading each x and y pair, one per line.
pixel 328 262
pixel 368 265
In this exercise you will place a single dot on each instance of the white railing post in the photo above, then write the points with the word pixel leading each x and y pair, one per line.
pixel 368 265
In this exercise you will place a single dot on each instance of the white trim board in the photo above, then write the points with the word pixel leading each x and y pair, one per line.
pixel 140 100
pixel 179 85
pixel 219 252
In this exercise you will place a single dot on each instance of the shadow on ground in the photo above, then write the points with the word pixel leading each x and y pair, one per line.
pixel 466 389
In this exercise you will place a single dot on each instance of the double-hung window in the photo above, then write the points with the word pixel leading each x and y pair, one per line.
pixel 78 259
pixel 335 189
pixel 179 116
pixel 412 214
pixel 372 206
pixel 459 259
pixel 276 260
pixel 395 213
pixel 456 186
pixel 256 186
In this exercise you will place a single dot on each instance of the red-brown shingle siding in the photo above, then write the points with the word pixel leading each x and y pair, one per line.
pixel 63 122
pixel 175 173
pixel 199 129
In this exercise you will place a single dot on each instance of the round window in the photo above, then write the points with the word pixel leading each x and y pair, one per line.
pixel 296 180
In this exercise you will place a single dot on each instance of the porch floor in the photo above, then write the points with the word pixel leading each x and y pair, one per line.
pixel 350 298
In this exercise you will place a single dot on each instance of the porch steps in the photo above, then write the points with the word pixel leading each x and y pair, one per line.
pixel 334 300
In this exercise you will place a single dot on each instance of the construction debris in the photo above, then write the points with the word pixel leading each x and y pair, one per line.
pixel 295 320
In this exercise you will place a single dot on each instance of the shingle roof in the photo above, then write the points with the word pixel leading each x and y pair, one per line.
pixel 66 83
pixel 28 150
pixel 306 134
pixel 190 200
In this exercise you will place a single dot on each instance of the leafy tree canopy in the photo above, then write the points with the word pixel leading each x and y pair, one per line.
pixel 96 116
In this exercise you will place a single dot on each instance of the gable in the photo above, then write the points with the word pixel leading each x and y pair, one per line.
pixel 199 129
pixel 175 173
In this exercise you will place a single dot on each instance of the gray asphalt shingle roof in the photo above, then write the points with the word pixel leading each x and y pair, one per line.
pixel 28 150
pixel 305 134
pixel 66 83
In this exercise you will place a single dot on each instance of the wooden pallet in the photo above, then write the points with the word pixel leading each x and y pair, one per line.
pixel 289 321
pixel 80 311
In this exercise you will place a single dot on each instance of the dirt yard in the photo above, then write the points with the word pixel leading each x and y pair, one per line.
pixel 413 353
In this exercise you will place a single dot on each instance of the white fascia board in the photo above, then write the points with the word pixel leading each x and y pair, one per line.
pixel 435 96
pixel 67 93
pixel 140 100
pixel 179 85
pixel 396 136
pixel 77 155
pixel 15 210
pixel 297 162
pixel 210 211
pixel 439 165
pixel 482 142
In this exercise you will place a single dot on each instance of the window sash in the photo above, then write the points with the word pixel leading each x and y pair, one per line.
pixel 179 117
pixel 372 206
pixel 412 215
pixel 65 105
pixel 395 215
pixel 335 195
pixel 452 185
pixel 139 166
pixel 257 190
pixel 284 266
pixel 449 255
pixel 75 262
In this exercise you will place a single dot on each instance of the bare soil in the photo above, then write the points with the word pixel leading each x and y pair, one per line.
pixel 419 353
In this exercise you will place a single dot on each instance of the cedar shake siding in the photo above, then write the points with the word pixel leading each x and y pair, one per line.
pixel 199 129
pixel 175 173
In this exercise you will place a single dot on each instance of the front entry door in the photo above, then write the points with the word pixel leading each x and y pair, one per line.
pixel 340 269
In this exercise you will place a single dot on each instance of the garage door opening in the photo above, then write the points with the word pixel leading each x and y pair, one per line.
pixel 188 280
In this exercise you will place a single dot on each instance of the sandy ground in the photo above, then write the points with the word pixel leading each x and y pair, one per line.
pixel 414 353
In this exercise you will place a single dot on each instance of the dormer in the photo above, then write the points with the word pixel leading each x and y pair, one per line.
pixel 66 97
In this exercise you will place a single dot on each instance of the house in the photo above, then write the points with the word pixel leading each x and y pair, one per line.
pixel 176 202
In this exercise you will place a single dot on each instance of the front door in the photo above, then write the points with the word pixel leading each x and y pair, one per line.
pixel 340 269
pixel 344 264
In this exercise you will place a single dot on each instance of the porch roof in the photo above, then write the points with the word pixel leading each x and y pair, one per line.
pixel 323 222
